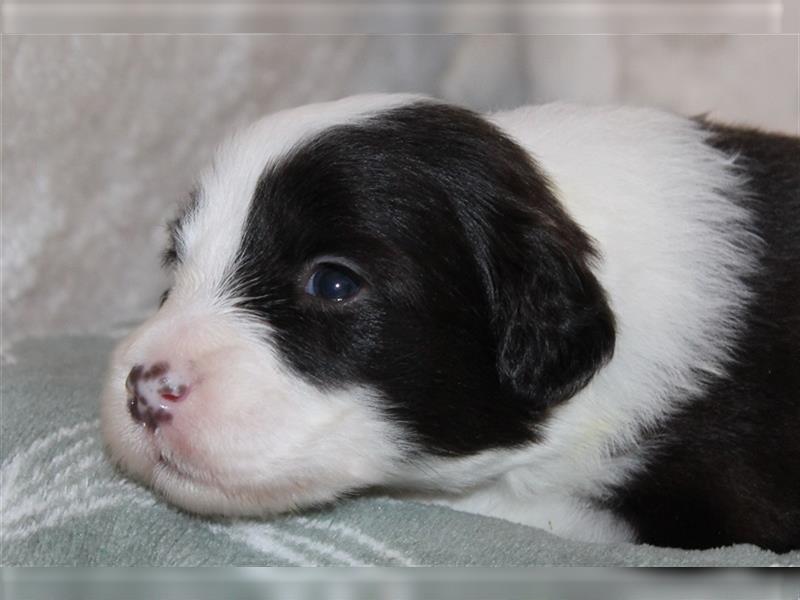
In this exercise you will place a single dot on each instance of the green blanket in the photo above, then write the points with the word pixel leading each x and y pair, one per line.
pixel 64 504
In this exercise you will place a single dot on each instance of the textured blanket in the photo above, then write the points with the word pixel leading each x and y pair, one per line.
pixel 62 503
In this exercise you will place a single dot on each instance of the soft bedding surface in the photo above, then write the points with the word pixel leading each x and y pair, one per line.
pixel 63 503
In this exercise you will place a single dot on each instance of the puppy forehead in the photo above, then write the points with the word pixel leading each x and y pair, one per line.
pixel 212 230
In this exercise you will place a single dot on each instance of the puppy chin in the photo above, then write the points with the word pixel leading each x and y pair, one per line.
pixel 250 438
pixel 201 494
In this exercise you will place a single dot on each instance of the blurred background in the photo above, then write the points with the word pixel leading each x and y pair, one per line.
pixel 103 134
pixel 404 16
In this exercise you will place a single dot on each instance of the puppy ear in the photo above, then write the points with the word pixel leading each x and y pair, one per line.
pixel 552 322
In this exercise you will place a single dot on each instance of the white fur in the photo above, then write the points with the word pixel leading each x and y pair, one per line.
pixel 251 438
pixel 673 248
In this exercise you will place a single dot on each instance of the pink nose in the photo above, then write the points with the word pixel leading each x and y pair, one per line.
pixel 151 392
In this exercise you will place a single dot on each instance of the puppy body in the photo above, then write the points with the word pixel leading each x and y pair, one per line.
pixel 561 318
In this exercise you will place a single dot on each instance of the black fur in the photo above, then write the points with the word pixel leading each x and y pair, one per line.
pixel 727 468
pixel 480 311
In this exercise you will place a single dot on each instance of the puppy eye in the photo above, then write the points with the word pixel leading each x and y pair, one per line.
pixel 333 282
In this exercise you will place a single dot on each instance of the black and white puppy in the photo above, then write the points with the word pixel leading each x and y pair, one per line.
pixel 582 319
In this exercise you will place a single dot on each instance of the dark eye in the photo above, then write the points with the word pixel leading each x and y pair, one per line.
pixel 333 282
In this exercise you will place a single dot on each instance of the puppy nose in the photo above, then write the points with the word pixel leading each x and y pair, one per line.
pixel 151 392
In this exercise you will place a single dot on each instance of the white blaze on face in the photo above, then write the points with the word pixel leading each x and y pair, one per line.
pixel 250 436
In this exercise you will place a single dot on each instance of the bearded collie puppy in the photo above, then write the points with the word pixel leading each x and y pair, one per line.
pixel 581 319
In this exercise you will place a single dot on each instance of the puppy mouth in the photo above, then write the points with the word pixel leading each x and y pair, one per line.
pixel 190 490
pixel 170 465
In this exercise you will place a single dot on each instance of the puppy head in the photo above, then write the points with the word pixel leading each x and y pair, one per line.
pixel 359 287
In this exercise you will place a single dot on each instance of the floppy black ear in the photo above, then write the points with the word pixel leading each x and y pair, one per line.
pixel 552 321
pixel 549 315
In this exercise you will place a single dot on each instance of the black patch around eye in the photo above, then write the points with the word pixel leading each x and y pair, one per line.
pixel 432 202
